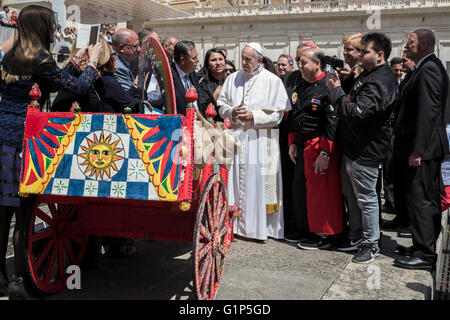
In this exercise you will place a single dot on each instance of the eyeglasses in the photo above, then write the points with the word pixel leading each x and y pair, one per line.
pixel 133 46
pixel 229 70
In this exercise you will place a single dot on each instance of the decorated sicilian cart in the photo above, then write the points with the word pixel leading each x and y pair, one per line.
pixel 146 176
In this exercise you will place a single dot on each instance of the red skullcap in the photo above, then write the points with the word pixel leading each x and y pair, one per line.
pixel 310 44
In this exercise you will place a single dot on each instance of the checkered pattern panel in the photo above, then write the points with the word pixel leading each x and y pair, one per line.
pixel 85 169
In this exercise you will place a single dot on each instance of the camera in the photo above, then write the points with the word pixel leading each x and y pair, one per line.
pixel 331 63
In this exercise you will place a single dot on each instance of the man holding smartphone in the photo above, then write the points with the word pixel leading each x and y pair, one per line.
pixel 364 135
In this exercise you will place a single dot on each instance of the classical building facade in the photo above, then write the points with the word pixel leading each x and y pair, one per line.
pixel 280 25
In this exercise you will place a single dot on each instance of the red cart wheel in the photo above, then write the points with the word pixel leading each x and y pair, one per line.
pixel 52 245
pixel 211 238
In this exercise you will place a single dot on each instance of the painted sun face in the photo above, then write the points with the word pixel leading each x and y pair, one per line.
pixel 100 155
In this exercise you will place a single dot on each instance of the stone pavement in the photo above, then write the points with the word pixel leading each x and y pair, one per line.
pixel 276 270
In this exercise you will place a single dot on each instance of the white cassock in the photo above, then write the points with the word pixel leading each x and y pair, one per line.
pixel 254 180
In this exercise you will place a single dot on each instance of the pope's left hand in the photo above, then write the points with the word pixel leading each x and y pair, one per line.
pixel 333 81
pixel 321 165
pixel 245 116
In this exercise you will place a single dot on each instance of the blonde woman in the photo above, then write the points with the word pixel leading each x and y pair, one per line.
pixel 352 50
pixel 29 61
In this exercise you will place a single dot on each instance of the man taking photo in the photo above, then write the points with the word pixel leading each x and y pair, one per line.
pixel 364 137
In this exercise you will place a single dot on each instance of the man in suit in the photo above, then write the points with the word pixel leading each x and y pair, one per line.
pixel 401 216
pixel 183 72
pixel 386 176
pixel 285 65
pixel 397 70
pixel 421 141
pixel 126 43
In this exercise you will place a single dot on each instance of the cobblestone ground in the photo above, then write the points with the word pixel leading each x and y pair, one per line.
pixel 276 270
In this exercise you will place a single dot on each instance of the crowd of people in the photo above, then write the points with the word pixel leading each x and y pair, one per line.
pixel 8 21
pixel 64 41
pixel 317 144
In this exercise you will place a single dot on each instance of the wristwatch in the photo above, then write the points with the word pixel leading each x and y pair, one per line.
pixel 324 154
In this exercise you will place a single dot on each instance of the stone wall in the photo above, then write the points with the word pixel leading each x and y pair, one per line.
pixel 281 33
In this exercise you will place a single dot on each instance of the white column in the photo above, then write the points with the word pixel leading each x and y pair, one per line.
pixel 59 7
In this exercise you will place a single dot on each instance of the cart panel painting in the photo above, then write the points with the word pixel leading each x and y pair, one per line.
pixel 102 155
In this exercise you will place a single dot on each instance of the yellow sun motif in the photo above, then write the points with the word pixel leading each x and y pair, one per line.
pixel 100 156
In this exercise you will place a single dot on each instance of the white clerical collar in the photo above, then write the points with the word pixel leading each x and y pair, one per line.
pixel 254 73
pixel 180 72
pixel 421 60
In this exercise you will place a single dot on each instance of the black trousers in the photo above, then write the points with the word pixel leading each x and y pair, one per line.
pixel 423 187
pixel 400 163
pixel 287 170
pixel 299 193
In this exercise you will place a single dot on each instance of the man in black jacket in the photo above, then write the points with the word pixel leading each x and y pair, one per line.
pixel 399 188
pixel 364 136
pixel 421 144
pixel 183 72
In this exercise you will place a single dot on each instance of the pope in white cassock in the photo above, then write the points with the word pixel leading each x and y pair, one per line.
pixel 255 100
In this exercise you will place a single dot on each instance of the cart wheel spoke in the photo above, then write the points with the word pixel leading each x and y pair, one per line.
pixel 77 239
pixel 205 233
pixel 53 210
pixel 222 252
pixel 44 253
pixel 203 251
pixel 213 274
pixel 210 214
pixel 206 274
pixel 42 235
pixel 61 261
pixel 205 264
pixel 52 249
pixel 218 265
pixel 69 251
pixel 219 202
pixel 44 217
pixel 223 231
pixel 223 215
pixel 215 197
pixel 51 264
pixel 71 212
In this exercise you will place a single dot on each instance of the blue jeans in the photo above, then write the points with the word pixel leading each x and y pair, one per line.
pixel 364 181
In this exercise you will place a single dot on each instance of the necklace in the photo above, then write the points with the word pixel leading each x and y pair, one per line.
pixel 244 93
